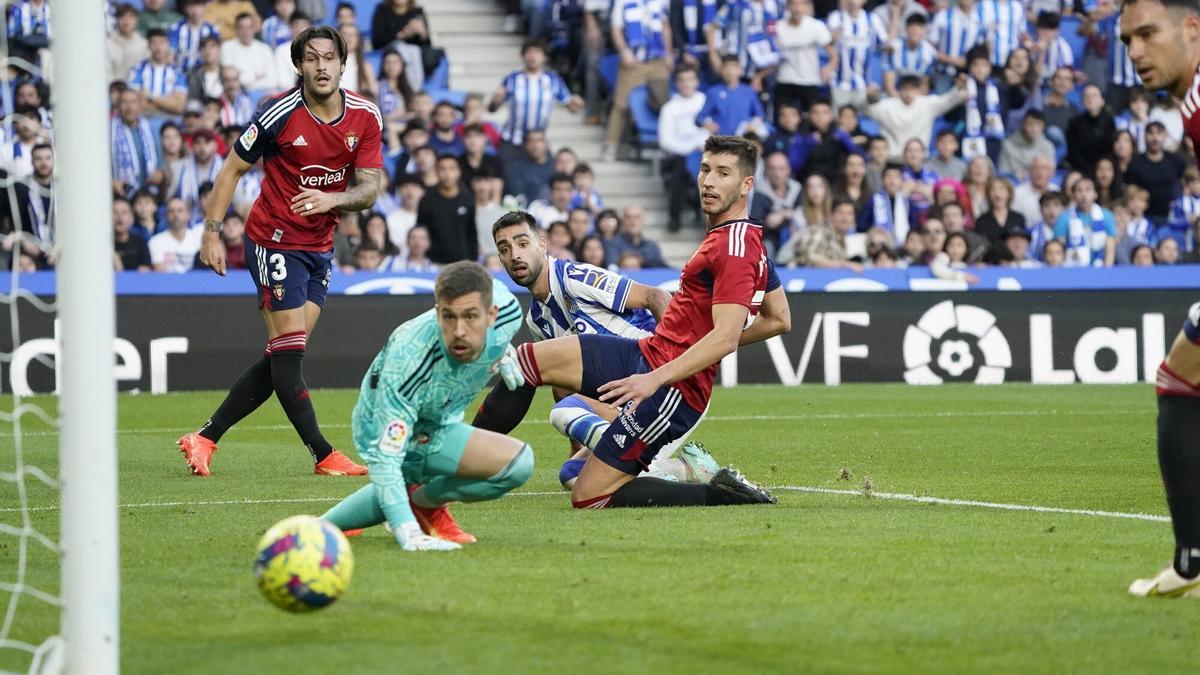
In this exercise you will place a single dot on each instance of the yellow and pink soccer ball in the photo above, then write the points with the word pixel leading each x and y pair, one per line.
pixel 303 563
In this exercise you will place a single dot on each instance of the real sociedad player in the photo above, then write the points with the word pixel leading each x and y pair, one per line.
pixel 571 298
pixel 662 384
pixel 311 139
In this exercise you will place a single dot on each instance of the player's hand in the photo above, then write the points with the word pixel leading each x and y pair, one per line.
pixel 509 370
pixel 212 252
pixel 411 538
pixel 633 390
pixel 321 202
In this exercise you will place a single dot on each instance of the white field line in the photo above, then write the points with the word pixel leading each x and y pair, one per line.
pixel 722 418
pixel 896 496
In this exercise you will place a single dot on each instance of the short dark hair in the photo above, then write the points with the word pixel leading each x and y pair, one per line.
pixel 583 168
pixel 1155 124
pixel 156 32
pixel 916 19
pixel 1035 114
pixel 41 146
pixel 976 53
pixel 243 15
pixel 1138 93
pixel 560 178
pixel 1053 196
pixel 317 33
pixel 210 38
pixel 298 16
pixel 474 128
pixel 744 150
pixel 461 278
pixel 909 81
pixel 1190 5
pixel 1048 20
pixel 946 132
pixel 948 205
pixel 892 166
pixel 446 156
pixel 344 5
pixel 124 9
pixel 730 58
pixel 514 218
pixel 532 43
pixel 842 200
pixel 686 68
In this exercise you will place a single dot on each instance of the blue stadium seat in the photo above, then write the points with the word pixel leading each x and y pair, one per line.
pixel 693 163
pixel 868 126
pixel 373 59
pixel 609 63
pixel 452 96
pixel 440 77
pixel 1068 28
pixel 645 120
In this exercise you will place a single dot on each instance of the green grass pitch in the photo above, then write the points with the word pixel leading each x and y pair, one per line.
pixel 822 582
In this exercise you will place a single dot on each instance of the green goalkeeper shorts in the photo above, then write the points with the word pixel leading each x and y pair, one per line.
pixel 435 451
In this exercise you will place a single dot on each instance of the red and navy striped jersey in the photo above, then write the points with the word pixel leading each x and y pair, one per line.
pixel 300 151
pixel 730 267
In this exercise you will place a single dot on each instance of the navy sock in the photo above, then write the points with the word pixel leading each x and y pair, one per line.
pixel 287 373
pixel 1179 461
pixel 250 391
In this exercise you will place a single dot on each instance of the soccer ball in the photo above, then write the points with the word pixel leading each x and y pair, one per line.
pixel 303 563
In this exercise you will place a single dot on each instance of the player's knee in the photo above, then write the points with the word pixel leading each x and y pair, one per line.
pixel 518 471
pixel 567 411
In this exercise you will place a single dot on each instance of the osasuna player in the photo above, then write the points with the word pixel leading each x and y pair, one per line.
pixel 1163 39
pixel 408 424
pixel 571 298
pixel 662 384
pixel 312 140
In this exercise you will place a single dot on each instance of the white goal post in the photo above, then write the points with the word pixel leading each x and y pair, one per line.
pixel 87 404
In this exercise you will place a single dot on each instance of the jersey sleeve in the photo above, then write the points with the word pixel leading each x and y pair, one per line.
pixel 734 263
pixel 773 280
pixel 370 149
pixel 595 286
pixel 256 139
pixel 508 316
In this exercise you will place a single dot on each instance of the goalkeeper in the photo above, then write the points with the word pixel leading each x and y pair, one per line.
pixel 408 425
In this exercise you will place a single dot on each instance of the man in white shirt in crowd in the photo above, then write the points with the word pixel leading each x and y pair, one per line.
pixel 175 249
pixel 911 115
pixel 400 221
pixel 946 163
pixel 557 207
pixel 678 137
pixel 800 79
pixel 126 46
pixel 254 60
pixel 1027 196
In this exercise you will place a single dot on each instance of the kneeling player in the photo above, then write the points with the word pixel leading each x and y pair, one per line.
pixel 408 426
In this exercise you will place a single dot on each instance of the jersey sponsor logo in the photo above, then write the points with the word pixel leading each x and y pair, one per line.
pixel 318 175
pixel 955 343
pixel 593 278
pixel 300 142
pixel 351 140
pixel 249 136
pixel 395 435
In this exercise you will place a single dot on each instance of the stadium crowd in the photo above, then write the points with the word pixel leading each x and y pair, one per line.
pixel 953 134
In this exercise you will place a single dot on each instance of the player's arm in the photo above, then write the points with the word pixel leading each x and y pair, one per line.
pixel 654 299
pixel 774 318
pixel 722 340
pixel 357 197
pixel 212 251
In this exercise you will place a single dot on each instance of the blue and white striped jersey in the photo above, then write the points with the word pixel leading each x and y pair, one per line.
pixel 746 29
pixel 530 101
pixel 185 40
pixel 156 79
pixel 1120 68
pixel 275 31
pixel 586 299
pixel 1058 55
pixel 1001 22
pixel 27 19
pixel 906 60
pixel 954 32
pixel 860 36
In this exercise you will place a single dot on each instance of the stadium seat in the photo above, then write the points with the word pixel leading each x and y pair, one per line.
pixel 645 120
pixel 609 63
pixel 693 162
pixel 440 77
pixel 373 60
pixel 454 97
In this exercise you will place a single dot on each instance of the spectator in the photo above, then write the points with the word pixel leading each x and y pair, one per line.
pixel 1016 249
pixel 629 262
pixel 33 94
pixel 913 250
pixel 857 35
pixel 1158 171
pixel 29 29
pixel 1020 149
pixel 16 157
pixel 425 166
pixel 125 47
pixel 414 136
pixel 911 115
pixel 1167 113
pixel 403 219
pixel 394 95
pixel 1087 229
pixel 558 241
pixel 1057 109
pixel 987 108
pixel 955 29
pixel 911 56
pixel 731 107
pixel 878 151
pixel 825 245
pixel 801 80
pixel 529 174
pixel 918 179
pixel 174 152
pixel 156 16
pixel 237 110
pixel 531 93
pixel 233 229
pixel 135 152
pixel 579 224
pixel 1142 256
pixel 1109 188
pixel 346 239
pixel 852 183
pixel 953 218
pixel 1166 252
pixel 1051 51
pixel 889 207
pixel 556 207
pixel 815 210
pixel 822 147
pixel 130 252
pixel 175 249
pixel 1123 151
pixel 1029 192
pixel 950 264
pixel 641 35
pixel 1052 203
pixel 1135 118
pixel 848 122
pixel 472 113
pixel 894 14
pixel 933 239
pixel 34 209
pixel 285 71
pixel 202 167
pixel 1137 230
pixel 946 163
pixel 205 79
pixel 878 238
pixel 1184 211
pixel 979 174
pixel 1055 253
pixel 163 86
pixel 443 139
pixel 566 161
pixel 1001 25
pixel 591 252
pixel 1024 90
pixel 678 137
pixel 608 225
pixel 368 257
pixel 476 160
pixel 746 29
pixel 488 209
pixel 188 34
pixel 787 125
pixel 275 30
pixel 402 25
pixel 584 195
pixel 449 213
pixel 1091 133
pixel 224 14
pixel 357 76
pixel 1000 217
pixel 775 202
pixel 416 258
pixel 631 238
pixel 145 215
pixel 375 230
pixel 254 60
pixel 343 13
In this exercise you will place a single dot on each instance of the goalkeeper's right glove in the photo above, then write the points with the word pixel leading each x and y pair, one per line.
pixel 411 538
pixel 510 370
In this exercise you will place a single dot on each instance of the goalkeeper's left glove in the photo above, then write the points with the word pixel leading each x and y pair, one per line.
pixel 510 371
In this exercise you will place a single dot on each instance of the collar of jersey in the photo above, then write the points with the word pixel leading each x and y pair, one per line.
pixel 735 221
pixel 318 119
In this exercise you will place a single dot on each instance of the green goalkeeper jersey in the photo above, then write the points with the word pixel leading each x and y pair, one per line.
pixel 414 387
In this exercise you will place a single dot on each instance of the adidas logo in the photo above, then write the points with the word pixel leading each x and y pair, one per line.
pixel 620 439
pixel 300 141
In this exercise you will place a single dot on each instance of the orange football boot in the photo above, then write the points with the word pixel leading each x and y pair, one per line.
pixel 438 522
pixel 197 452
pixel 337 464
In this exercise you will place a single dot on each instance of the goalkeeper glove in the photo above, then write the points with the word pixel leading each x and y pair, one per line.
pixel 510 371
pixel 411 538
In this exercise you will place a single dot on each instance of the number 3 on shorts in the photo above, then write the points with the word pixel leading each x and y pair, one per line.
pixel 279 273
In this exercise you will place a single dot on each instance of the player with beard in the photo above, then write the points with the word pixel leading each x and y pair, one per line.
pixel 309 139
pixel 662 384
pixel 1163 39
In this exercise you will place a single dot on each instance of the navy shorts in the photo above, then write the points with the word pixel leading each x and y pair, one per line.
pixel 632 440
pixel 288 279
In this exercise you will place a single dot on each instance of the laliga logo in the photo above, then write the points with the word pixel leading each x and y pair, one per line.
pixel 956 344
pixel 325 179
